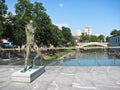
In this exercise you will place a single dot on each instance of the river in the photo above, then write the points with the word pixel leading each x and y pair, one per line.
pixel 94 57
pixel 89 57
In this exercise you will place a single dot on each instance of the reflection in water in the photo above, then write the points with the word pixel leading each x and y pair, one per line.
pixel 95 57
pixel 113 52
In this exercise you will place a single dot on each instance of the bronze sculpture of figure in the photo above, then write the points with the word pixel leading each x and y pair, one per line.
pixel 30 44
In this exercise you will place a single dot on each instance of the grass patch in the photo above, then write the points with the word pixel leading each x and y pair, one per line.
pixel 57 54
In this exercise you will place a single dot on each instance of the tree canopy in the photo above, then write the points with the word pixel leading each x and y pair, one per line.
pixel 3 11
pixel 115 32
pixel 91 38
pixel 68 36
pixel 46 33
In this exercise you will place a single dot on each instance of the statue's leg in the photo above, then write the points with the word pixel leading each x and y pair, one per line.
pixel 27 56
pixel 36 49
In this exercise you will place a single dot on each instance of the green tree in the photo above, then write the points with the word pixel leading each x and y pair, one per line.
pixel 57 37
pixel 43 31
pixel 46 33
pixel 3 11
pixel 115 32
pixel 8 33
pixel 93 38
pixel 101 38
pixel 84 38
pixel 25 11
pixel 107 39
pixel 68 36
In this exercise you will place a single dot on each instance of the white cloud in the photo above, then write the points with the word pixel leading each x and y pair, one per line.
pixel 61 4
pixel 61 25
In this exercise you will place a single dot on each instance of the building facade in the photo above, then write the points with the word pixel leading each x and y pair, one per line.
pixel 114 40
pixel 85 31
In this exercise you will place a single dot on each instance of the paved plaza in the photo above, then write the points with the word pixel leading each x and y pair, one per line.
pixel 65 78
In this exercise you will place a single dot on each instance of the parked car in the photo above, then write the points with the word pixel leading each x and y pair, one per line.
pixel 7 45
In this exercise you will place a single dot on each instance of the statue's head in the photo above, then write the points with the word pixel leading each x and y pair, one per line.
pixel 31 21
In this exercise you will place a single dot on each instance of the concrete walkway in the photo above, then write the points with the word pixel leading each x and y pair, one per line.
pixel 65 78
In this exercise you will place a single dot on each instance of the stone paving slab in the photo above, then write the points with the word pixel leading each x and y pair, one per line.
pixel 65 78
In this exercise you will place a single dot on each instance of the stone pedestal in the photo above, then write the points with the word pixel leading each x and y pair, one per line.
pixel 29 75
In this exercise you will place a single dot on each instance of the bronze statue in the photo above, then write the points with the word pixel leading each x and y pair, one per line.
pixel 30 44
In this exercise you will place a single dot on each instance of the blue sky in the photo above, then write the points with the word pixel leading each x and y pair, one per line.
pixel 101 15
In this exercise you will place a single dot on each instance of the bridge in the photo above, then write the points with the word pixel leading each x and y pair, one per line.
pixel 103 44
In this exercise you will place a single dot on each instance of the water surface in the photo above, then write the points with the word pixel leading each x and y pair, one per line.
pixel 94 57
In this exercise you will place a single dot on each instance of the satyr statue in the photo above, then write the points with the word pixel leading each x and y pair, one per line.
pixel 30 44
